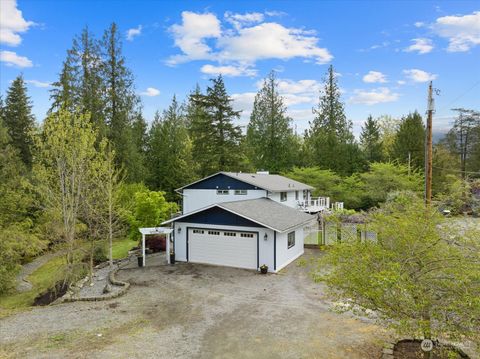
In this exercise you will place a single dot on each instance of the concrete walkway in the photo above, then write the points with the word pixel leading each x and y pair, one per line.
pixel 23 285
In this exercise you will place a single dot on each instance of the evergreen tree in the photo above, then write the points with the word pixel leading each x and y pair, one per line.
pixel 200 129
pixel 215 126
pixel 81 86
pixel 120 106
pixel 370 141
pixel 170 151
pixel 270 139
pixel 409 144
pixel 18 118
pixel 330 138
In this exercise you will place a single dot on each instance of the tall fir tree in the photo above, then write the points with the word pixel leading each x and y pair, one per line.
pixel 330 139
pixel 370 141
pixel 270 139
pixel 18 118
pixel 81 86
pixel 409 143
pixel 170 151
pixel 121 105
pixel 214 126
pixel 200 129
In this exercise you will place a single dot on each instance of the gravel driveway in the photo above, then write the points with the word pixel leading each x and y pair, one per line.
pixel 196 311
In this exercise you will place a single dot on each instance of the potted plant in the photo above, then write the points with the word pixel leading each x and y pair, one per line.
pixel 263 269
pixel 172 257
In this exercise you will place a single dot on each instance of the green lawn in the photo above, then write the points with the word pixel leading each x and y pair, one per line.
pixel 46 276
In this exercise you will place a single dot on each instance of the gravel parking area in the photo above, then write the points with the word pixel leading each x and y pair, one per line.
pixel 196 311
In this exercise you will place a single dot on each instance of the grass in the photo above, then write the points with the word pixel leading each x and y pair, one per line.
pixel 121 247
pixel 46 276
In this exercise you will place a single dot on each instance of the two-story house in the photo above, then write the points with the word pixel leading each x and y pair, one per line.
pixel 243 220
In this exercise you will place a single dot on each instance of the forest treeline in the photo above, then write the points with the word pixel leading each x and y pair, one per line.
pixel 94 169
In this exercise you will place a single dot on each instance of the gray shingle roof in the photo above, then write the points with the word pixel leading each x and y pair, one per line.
pixel 263 211
pixel 273 183
pixel 269 213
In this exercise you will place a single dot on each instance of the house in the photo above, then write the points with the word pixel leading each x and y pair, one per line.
pixel 243 220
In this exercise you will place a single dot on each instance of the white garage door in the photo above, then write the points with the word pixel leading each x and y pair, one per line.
pixel 225 248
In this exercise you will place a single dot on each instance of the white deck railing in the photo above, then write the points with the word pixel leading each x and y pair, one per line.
pixel 314 204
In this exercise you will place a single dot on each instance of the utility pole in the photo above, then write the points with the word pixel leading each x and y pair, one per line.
pixel 428 148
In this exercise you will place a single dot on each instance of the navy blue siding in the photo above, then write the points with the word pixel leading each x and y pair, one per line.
pixel 219 216
pixel 220 181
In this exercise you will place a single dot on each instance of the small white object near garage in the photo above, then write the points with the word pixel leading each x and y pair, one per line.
pixel 243 234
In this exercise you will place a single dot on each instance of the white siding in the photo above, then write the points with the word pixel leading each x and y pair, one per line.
pixel 194 199
pixel 290 202
pixel 287 255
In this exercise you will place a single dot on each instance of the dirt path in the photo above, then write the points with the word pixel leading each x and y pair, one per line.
pixel 23 285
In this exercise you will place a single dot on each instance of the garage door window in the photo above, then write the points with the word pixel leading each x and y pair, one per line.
pixel 214 233
pixel 246 235
pixel 230 234
pixel 223 191
pixel 291 239
pixel 200 231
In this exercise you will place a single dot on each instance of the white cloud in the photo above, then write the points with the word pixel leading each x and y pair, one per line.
pixel 374 77
pixel 422 45
pixel 132 33
pixel 401 82
pixel 372 97
pixel 419 24
pixel 150 92
pixel 190 36
pixel 40 84
pixel 229 70
pixel 12 23
pixel 297 87
pixel 271 40
pixel 12 59
pixel 200 37
pixel 240 20
pixel 417 75
pixel 462 32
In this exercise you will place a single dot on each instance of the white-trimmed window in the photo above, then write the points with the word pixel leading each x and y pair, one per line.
pixel 223 191
pixel 291 239
pixel 240 192
pixel 283 196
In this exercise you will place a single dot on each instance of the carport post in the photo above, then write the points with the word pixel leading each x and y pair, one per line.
pixel 167 249
pixel 143 249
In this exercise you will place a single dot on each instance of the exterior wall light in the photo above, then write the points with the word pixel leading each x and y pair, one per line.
pixel 265 237
pixel 179 229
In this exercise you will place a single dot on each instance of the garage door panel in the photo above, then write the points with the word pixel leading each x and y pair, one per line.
pixel 221 249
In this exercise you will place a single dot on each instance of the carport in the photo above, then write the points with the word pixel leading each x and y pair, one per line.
pixel 156 230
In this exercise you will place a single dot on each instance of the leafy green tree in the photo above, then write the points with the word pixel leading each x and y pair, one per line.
pixel 410 141
pixel 388 129
pixel 17 239
pixel 270 138
pixel 150 209
pixel 445 169
pixel 170 151
pixel 18 118
pixel 63 173
pixel 384 178
pixel 330 138
pixel 420 276
pixel 370 141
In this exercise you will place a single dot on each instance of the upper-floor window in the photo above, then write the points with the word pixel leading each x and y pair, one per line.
pixel 283 196
pixel 223 191
pixel 296 195
pixel 291 239
pixel 240 191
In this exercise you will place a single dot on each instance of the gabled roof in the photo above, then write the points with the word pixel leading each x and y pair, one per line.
pixel 273 183
pixel 263 211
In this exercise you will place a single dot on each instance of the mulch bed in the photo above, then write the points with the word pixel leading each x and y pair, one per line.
pixel 410 349
pixel 51 294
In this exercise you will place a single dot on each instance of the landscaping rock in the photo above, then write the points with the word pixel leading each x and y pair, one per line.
pixel 107 288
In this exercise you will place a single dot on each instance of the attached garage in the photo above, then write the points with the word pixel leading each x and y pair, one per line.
pixel 221 247
pixel 244 234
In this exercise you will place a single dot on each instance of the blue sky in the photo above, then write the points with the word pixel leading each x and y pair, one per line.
pixel 384 52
